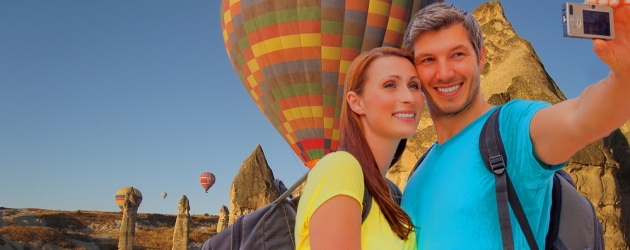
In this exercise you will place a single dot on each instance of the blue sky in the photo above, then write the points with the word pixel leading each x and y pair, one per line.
pixel 100 95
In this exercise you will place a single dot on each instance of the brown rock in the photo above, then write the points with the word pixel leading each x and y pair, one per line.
pixel 224 217
pixel 512 70
pixel 253 186
pixel 182 225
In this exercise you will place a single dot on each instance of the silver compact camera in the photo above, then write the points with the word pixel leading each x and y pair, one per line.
pixel 587 21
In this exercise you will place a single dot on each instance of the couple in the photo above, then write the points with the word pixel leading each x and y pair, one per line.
pixel 449 202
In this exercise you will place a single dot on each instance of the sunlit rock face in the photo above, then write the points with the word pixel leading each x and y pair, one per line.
pixel 512 70
pixel 252 187
pixel 224 215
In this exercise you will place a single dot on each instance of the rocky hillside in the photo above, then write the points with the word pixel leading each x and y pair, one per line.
pixel 33 229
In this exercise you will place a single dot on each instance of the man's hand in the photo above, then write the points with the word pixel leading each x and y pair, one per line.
pixel 616 53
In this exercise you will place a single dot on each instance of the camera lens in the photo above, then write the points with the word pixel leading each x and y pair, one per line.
pixel 592 6
pixel 570 9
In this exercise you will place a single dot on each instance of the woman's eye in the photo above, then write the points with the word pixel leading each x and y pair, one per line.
pixel 414 85
pixel 389 85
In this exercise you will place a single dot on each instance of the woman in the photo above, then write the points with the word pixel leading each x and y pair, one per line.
pixel 381 108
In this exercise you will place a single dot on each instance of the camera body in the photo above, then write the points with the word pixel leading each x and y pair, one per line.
pixel 587 21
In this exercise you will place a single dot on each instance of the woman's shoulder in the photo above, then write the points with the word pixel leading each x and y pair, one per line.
pixel 340 161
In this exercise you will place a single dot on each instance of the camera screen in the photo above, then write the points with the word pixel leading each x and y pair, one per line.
pixel 596 23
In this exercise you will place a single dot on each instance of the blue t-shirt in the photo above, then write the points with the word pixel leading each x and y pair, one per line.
pixel 451 197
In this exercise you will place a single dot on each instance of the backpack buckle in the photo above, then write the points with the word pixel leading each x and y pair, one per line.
pixel 497 164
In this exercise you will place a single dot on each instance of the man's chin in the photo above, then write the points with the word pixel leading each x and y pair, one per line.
pixel 440 112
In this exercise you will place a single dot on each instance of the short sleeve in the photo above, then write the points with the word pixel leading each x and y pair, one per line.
pixel 515 122
pixel 337 173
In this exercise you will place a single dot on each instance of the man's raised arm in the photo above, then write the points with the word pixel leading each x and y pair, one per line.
pixel 560 130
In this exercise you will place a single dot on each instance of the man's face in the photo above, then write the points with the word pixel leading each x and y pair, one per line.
pixel 449 70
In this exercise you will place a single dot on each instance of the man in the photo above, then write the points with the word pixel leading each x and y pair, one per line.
pixel 451 196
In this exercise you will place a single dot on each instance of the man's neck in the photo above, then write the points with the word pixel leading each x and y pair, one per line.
pixel 448 126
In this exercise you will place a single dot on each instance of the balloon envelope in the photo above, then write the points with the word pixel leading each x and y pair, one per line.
pixel 120 196
pixel 206 180
pixel 164 195
pixel 292 56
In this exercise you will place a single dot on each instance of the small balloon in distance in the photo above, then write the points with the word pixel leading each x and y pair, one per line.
pixel 206 179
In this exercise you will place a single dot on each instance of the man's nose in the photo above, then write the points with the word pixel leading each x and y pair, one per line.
pixel 445 71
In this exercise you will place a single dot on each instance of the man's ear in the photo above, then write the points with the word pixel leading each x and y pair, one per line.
pixel 354 101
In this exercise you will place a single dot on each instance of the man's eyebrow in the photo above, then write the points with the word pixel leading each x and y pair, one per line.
pixel 458 47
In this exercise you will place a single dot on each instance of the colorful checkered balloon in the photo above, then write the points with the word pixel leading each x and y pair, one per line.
pixel 292 56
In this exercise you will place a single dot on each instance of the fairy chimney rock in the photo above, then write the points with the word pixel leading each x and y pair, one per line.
pixel 182 225
pixel 253 186
pixel 128 223
pixel 512 70
pixel 224 214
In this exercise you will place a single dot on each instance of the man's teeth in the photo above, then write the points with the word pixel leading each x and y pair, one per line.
pixel 448 90
pixel 404 115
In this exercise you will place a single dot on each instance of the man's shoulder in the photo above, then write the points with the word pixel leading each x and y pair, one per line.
pixel 521 104
pixel 518 109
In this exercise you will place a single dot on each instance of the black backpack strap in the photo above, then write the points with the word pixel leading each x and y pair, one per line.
pixel 494 157
pixel 395 191
pixel 367 198
pixel 424 155
pixel 367 203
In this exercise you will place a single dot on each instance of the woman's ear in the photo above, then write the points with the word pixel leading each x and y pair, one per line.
pixel 354 101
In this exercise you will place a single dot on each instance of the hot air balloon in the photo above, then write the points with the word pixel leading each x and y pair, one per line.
pixel 120 196
pixel 207 180
pixel 292 56
pixel 164 195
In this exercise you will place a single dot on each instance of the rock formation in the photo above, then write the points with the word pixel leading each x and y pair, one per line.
pixel 253 186
pixel 182 225
pixel 128 225
pixel 513 70
pixel 224 217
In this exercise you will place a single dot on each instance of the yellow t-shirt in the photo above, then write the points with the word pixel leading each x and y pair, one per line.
pixel 335 174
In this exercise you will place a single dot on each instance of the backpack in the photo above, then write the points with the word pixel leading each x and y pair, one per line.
pixel 273 226
pixel 573 222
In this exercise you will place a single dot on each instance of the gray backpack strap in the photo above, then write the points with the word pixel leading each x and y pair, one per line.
pixel 289 191
pixel 494 157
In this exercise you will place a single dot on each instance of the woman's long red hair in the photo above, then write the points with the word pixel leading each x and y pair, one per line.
pixel 353 141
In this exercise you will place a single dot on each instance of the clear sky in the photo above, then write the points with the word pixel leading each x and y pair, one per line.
pixel 100 95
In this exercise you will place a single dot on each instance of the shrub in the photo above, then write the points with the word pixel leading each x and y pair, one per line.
pixel 37 234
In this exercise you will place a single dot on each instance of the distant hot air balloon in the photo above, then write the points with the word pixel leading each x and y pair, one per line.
pixel 120 196
pixel 207 179
pixel 164 195
pixel 292 56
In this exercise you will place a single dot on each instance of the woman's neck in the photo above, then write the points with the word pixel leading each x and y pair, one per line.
pixel 383 150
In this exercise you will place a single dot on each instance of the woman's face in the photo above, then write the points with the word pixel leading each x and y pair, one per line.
pixel 392 101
